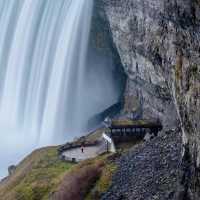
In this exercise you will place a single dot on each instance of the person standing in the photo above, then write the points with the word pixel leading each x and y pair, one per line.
pixel 82 147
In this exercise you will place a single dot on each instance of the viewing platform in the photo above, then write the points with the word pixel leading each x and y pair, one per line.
pixel 128 129
pixel 107 139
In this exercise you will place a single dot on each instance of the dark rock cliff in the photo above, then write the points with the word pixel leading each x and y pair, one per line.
pixel 103 56
pixel 149 171
pixel 159 46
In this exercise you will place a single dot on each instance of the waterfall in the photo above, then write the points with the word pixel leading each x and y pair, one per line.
pixel 46 96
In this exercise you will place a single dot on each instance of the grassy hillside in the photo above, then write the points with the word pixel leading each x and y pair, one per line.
pixel 36 176
pixel 43 176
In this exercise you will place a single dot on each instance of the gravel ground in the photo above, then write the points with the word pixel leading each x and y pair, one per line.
pixel 150 171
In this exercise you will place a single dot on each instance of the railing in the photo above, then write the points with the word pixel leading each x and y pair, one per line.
pixel 110 144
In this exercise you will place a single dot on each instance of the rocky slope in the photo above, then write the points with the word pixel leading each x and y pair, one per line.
pixel 149 171
pixel 159 46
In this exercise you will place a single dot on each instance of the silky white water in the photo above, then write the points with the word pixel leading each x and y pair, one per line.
pixel 46 96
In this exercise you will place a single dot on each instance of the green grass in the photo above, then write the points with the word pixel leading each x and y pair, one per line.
pixel 41 173
pixel 106 178
pixel 36 177
pixel 42 176
pixel 103 182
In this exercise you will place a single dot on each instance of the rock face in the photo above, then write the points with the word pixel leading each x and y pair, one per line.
pixel 142 44
pixel 103 59
pixel 159 47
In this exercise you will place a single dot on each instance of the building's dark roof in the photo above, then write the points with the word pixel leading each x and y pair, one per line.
pixel 135 123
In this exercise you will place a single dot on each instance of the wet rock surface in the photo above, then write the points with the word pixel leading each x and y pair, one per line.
pixel 159 46
pixel 151 171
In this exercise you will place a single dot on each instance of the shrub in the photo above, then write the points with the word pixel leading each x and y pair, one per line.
pixel 103 183
pixel 78 182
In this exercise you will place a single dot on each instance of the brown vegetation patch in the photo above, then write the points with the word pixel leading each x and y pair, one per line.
pixel 35 177
pixel 77 183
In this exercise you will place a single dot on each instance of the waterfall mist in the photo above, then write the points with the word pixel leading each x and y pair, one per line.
pixel 51 85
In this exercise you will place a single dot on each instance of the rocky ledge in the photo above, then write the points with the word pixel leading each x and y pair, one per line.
pixel 151 171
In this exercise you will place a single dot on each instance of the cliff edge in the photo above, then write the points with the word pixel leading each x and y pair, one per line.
pixel 158 43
